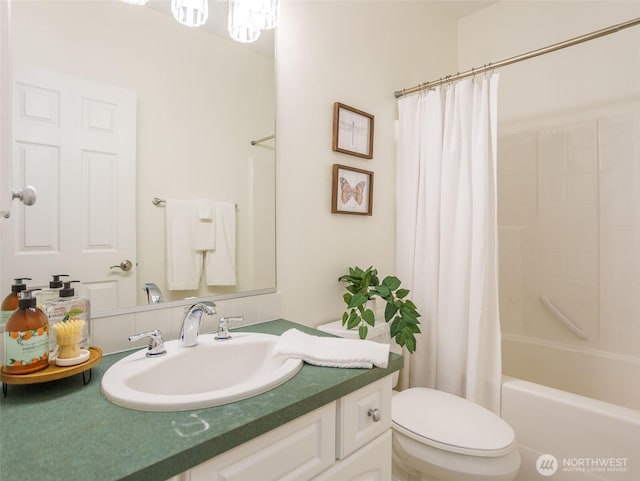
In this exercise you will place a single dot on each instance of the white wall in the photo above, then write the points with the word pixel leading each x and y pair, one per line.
pixel 590 74
pixel 357 53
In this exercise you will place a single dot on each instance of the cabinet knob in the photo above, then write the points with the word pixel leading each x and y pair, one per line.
pixel 375 414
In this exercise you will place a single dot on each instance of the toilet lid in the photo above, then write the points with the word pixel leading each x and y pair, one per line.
pixel 451 423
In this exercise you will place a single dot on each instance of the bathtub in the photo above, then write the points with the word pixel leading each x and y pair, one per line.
pixel 564 436
pixel 601 375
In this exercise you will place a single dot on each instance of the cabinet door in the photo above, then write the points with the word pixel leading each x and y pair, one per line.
pixel 370 463
pixel 363 415
pixel 296 451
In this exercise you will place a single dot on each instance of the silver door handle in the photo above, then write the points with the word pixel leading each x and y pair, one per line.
pixel 28 195
pixel 125 265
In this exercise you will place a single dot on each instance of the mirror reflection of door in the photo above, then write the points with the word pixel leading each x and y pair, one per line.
pixel 75 141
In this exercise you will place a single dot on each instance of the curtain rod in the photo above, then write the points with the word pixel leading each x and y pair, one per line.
pixel 519 58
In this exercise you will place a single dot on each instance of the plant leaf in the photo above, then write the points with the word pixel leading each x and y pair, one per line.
pixel 389 311
pixel 347 297
pixel 382 290
pixel 362 331
pixel 353 320
pixel 391 282
pixel 358 299
pixel 402 293
pixel 369 317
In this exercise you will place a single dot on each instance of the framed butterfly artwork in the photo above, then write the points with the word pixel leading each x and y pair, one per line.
pixel 352 131
pixel 352 191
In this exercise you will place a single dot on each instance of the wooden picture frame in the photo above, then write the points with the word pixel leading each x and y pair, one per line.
pixel 352 131
pixel 352 191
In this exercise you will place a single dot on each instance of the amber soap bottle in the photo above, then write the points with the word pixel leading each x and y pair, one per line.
pixel 10 303
pixel 26 338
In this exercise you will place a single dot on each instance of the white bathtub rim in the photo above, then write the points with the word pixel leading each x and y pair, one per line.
pixel 595 406
pixel 574 348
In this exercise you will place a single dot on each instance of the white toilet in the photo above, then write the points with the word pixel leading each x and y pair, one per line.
pixel 437 436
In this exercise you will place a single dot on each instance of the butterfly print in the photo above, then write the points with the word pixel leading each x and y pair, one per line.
pixel 347 192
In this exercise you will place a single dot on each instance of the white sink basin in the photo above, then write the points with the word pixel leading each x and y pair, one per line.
pixel 209 374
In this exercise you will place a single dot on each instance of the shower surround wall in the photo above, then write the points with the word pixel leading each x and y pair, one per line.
pixel 569 215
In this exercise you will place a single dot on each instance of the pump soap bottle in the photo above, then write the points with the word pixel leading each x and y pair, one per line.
pixel 10 303
pixel 55 284
pixel 26 338
pixel 69 306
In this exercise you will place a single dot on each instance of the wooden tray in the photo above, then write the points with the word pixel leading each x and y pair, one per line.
pixel 53 372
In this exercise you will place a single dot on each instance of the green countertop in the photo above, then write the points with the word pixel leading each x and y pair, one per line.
pixel 63 430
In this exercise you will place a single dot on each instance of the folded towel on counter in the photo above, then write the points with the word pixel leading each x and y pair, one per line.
pixel 205 239
pixel 184 264
pixel 332 351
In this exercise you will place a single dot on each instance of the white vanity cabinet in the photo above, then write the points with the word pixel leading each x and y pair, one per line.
pixel 345 440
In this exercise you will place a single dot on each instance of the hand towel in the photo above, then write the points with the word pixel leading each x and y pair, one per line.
pixel 332 351
pixel 184 264
pixel 220 264
pixel 205 239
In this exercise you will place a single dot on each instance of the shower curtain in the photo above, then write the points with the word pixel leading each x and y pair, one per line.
pixel 447 237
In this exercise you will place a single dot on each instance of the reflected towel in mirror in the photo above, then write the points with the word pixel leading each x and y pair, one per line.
pixel 205 226
pixel 220 264
pixel 184 263
pixel 332 351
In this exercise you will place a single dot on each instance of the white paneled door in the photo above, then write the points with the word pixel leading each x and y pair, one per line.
pixel 75 141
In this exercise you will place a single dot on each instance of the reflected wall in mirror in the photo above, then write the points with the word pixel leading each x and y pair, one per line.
pixel 158 110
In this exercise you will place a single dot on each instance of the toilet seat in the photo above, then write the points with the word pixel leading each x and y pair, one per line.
pixel 451 423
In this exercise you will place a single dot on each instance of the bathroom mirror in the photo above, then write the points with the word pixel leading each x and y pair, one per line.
pixel 194 100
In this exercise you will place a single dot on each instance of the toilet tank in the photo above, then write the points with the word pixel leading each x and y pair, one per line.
pixel 378 333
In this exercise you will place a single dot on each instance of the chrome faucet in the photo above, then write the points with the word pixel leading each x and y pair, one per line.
pixel 156 343
pixel 191 323
pixel 154 294
pixel 223 327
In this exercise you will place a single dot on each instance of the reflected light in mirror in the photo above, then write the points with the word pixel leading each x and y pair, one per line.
pixel 191 13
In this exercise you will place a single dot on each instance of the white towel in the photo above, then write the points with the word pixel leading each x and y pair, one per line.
pixel 220 264
pixel 205 239
pixel 184 264
pixel 332 351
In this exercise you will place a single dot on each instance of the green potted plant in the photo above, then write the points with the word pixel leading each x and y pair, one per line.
pixel 364 285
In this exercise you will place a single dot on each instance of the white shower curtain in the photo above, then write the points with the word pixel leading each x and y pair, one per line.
pixel 447 236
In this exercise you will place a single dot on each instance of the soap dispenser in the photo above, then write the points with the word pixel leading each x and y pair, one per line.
pixel 55 284
pixel 66 307
pixel 10 303
pixel 26 338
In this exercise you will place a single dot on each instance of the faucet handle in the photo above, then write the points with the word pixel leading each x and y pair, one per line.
pixel 156 342
pixel 223 327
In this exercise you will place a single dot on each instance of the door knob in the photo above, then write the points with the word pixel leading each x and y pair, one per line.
pixel 27 195
pixel 125 265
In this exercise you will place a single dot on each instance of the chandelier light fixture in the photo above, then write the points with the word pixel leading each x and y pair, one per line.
pixel 247 18
pixel 192 13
